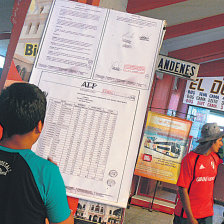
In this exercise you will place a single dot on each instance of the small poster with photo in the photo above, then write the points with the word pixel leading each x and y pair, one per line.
pixel 163 146
pixel 92 212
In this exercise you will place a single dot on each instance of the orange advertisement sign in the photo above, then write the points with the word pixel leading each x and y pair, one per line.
pixel 163 146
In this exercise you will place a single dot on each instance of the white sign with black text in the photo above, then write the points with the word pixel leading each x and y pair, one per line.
pixel 205 92
pixel 180 68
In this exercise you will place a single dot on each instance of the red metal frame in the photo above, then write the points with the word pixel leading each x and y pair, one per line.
pixel 194 26
pixel 157 198
pixel 155 206
pixel 201 53
pixel 135 6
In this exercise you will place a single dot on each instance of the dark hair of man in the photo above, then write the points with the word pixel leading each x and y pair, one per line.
pixel 22 106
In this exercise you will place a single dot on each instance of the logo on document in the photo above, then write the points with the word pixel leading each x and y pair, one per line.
pixel 144 38
pixel 89 85
pixel 111 182
pixel 116 66
pixel 127 40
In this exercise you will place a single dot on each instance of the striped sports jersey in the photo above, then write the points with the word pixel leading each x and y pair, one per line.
pixel 31 189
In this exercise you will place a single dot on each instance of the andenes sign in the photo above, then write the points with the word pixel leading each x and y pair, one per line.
pixel 177 67
pixel 205 92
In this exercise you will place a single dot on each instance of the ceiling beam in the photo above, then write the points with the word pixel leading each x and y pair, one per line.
pixel 212 69
pixel 201 53
pixel 5 36
pixel 136 6
pixel 194 26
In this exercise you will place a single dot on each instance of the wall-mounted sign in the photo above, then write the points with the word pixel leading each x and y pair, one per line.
pixel 173 66
pixel 163 147
pixel 205 92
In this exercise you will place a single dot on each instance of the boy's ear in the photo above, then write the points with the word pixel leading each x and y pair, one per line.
pixel 39 127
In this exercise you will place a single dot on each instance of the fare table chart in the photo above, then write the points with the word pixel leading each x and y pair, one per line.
pixel 87 132
pixel 78 138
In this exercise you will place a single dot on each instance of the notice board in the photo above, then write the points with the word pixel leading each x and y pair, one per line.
pixel 97 67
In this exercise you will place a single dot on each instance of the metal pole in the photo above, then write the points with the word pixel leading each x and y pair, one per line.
pixel 150 209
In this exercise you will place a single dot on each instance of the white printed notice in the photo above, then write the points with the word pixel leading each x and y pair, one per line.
pixel 205 92
pixel 97 67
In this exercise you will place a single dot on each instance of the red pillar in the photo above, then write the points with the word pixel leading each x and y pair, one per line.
pixel 161 95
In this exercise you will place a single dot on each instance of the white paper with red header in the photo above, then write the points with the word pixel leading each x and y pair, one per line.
pixel 98 79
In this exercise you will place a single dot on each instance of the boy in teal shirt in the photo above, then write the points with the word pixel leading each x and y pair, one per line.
pixel 31 187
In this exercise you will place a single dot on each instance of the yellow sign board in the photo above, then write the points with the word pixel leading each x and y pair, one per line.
pixel 163 146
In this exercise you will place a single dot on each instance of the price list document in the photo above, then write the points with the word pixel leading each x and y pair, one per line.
pixel 97 83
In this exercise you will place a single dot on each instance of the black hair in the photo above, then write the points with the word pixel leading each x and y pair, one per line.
pixel 22 106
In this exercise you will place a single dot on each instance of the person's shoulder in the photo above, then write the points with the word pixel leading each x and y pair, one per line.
pixel 216 157
pixel 191 155
pixel 190 158
pixel 40 163
pixel 44 171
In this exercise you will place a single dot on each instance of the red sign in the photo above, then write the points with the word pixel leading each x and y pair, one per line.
pixel 147 157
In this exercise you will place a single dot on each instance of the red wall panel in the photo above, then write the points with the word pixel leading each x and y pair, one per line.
pixel 201 53
pixel 135 6
pixel 161 94
pixel 194 26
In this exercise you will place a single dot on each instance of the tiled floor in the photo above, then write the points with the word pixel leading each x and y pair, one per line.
pixel 138 215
